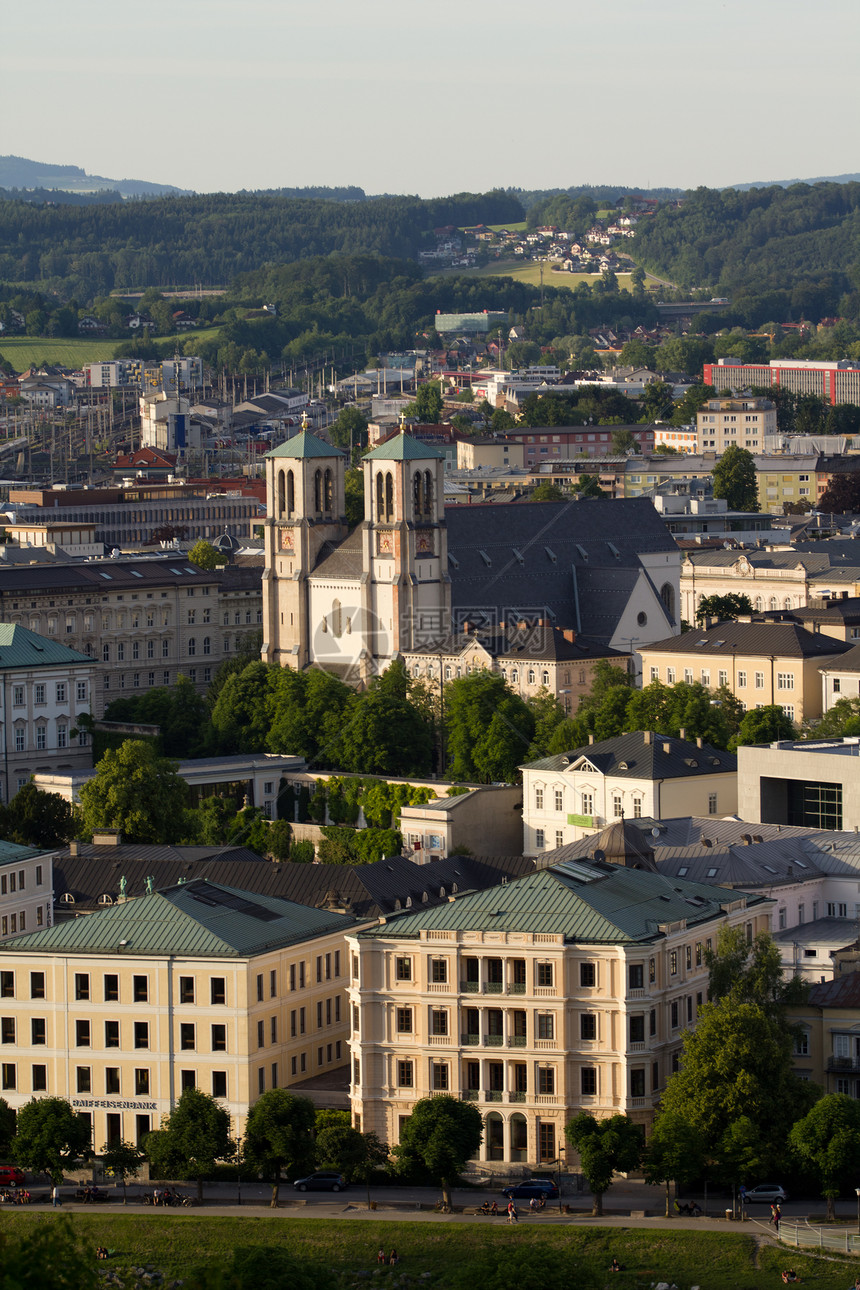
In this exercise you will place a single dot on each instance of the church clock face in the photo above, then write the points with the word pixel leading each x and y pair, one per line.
pixel 286 539
pixel 384 543
pixel 424 544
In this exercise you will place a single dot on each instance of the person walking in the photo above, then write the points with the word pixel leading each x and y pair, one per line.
pixel 55 1195
pixel 776 1215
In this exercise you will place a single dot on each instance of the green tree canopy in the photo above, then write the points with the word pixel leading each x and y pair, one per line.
pixel 139 793
pixel 122 1159
pixel 441 1135
pixel 673 1153
pixel 735 479
pixel 34 818
pixel 764 726
pixel 842 494
pixel 279 1136
pixel 623 441
pixel 827 1141
pixel 357 1155
pixel 547 492
pixel 349 431
pixel 386 732
pixel 726 607
pixel 606 1147
pixel 241 716
pixel 191 1140
pixel 840 720
pixel 587 486
pixel 353 484
pixel 488 728
pixel 50 1137
pixel 750 971
pixel 206 556
pixel 427 406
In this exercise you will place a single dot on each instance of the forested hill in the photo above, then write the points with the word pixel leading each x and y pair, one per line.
pixel 766 236
pixel 87 251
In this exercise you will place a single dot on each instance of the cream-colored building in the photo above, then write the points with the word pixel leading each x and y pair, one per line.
pixel 721 423
pixel 196 986
pixel 487 453
pixel 567 990
pixel 762 663
pixel 638 775
pixel 26 890
pixel 773 580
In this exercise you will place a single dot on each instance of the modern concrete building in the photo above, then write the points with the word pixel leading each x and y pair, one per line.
pixel 721 423
pixel 200 985
pixel 836 382
pixel 813 783
pixel 480 821
pixel 642 774
pixel 568 990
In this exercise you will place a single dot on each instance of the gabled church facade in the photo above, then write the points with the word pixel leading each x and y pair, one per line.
pixel 411 574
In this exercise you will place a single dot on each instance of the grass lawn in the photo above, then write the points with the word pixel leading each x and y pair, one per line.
pixel 530 272
pixel 22 351
pixel 458 1256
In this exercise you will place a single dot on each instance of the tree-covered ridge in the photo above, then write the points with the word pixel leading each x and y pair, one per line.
pixel 765 235
pixel 90 250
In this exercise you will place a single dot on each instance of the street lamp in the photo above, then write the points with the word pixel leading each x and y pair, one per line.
pixel 857 1192
pixel 561 1153
pixel 238 1171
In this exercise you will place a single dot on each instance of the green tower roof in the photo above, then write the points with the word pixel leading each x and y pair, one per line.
pixel 402 447
pixel 305 444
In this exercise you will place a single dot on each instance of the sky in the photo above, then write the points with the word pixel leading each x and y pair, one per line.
pixel 218 95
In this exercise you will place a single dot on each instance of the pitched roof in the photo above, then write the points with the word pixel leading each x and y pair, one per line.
pixel 840 992
pixel 196 919
pixel 643 755
pixel 402 447
pixel 20 647
pixel 784 640
pixel 305 444
pixel 586 902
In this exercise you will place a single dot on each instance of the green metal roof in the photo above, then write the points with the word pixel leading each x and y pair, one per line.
pixel 22 648
pixel 10 852
pixel 593 903
pixel 195 919
pixel 402 447
pixel 305 444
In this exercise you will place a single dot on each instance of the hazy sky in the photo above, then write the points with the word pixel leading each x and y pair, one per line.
pixel 433 98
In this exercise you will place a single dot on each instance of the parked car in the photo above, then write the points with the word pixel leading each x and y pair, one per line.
pixel 769 1193
pixel 532 1187
pixel 322 1180
pixel 11 1176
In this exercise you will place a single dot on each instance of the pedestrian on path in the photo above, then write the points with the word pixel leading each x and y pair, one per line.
pixel 776 1215
pixel 513 1216
pixel 55 1196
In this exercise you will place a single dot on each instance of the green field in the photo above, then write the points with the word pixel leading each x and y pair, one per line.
pixel 458 1256
pixel 24 351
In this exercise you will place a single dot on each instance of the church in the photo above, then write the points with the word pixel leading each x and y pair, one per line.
pixel 416 576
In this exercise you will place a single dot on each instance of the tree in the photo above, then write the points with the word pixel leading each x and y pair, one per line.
pixel 385 732
pixel 827 1141
pixel 279 1136
pixel 442 1134
pixel 51 1138
pixel 37 819
pixel 353 484
pixel 355 1154
pixel 206 556
pixel 349 431
pixel 842 494
pixel 658 400
pixel 488 728
pixel 765 725
pixel 427 406
pixel 751 972
pixel 139 793
pixel 840 720
pixel 547 492
pixel 673 1153
pixel 280 839
pixel 192 1138
pixel 122 1159
pixel 7 1127
pixel 502 420
pixel 588 486
pixel 635 353
pixel 606 1147
pixel 240 716
pixel 735 479
pixel 623 442
pixel 724 608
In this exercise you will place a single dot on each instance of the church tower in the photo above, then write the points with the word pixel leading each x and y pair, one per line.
pixel 405 549
pixel 305 508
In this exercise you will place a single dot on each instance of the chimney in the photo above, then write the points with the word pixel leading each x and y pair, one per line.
pixel 467 626
pixel 682 734
pixel 698 741
pixel 569 634
pixel 74 848
pixel 107 838
pixel 591 739
pixel 667 748
pixel 646 736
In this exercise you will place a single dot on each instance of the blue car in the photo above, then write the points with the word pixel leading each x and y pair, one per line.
pixel 532 1187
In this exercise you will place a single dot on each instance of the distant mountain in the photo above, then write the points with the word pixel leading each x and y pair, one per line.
pixel 787 183
pixel 19 172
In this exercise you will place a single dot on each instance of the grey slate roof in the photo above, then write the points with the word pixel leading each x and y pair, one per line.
pixel 630 756
pixel 586 902
pixel 785 640
pixel 198 918
pixel 847 662
pixel 341 560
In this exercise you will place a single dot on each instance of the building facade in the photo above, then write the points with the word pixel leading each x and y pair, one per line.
pixel 534 1002
pixel 835 382
pixel 721 423
pixel 198 986
pixel 26 890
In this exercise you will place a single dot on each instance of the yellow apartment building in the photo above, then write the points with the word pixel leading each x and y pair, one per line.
pixel 199 985
pixel 566 990
pixel 762 663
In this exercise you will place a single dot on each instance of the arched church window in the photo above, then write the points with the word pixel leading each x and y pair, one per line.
pixel 291 494
pixel 281 502
pixel 336 619
pixel 417 495
pixel 328 494
pixel 318 490
pixel 428 495
pixel 389 496
pixel 667 595
pixel 380 501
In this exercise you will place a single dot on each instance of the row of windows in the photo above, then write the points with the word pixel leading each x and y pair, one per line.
pixel 112 1082
pixel 150 678
pixel 784 680
pixel 494 968
pixel 13 924
pixel 110 988
pixel 40 693
pixel 326 1054
pixel 544 1079
pixel 439 1022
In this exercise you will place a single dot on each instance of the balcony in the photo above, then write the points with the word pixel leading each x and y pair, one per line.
pixel 636 1047
pixel 470 987
pixel 494 987
pixel 516 1041
pixel 637 1102
pixel 545 991
pixel 843 1065
pixel 547 1099
pixel 439 1039
pixel 438 987
pixel 545 1043
pixel 470 1041
pixel 470 1095
pixel 517 987
pixel 494 1041
pixel 517 1097
pixel 493 1095
pixel 637 992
